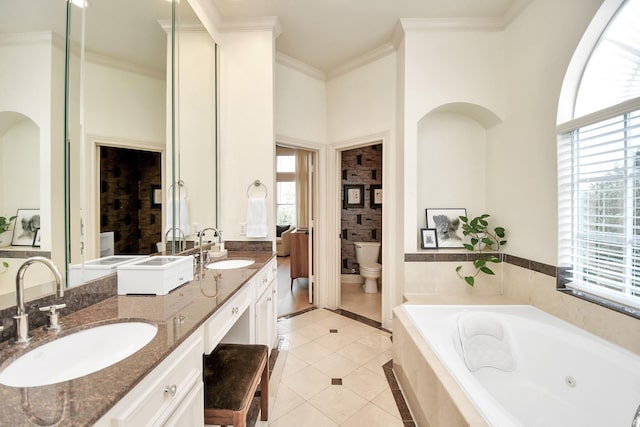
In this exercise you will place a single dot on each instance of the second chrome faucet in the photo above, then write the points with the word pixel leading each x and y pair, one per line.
pixel 22 317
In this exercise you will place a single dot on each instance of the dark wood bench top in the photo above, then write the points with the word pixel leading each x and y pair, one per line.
pixel 232 373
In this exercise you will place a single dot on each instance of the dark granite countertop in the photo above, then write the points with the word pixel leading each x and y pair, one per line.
pixel 81 402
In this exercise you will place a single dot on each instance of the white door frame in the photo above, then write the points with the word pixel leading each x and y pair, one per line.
pixel 91 228
pixel 336 212
pixel 317 281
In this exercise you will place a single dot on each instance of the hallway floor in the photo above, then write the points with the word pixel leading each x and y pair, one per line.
pixel 329 372
pixel 356 300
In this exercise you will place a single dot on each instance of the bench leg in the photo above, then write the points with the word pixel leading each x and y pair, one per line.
pixel 264 393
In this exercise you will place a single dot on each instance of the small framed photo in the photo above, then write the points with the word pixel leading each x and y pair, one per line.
pixel 26 225
pixel 353 196
pixel 447 225
pixel 428 238
pixel 36 239
pixel 156 196
pixel 375 199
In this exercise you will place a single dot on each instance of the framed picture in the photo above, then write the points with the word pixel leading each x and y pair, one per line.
pixel 447 225
pixel 36 239
pixel 428 238
pixel 375 199
pixel 156 196
pixel 353 196
pixel 26 225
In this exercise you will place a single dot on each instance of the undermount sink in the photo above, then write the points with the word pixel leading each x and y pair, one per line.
pixel 227 264
pixel 78 354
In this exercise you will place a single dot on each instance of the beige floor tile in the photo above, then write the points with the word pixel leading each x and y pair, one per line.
pixel 336 341
pixel 286 401
pixel 386 402
pixel 292 365
pixel 335 366
pixel 304 415
pixel 372 416
pixel 358 353
pixel 294 339
pixel 307 382
pixel 338 403
pixel 375 364
pixel 313 331
pixel 366 384
pixel 311 352
pixel 377 341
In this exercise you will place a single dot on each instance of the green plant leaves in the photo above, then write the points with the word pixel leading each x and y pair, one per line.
pixel 481 238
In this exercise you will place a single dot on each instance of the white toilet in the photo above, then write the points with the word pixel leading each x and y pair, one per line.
pixel 367 256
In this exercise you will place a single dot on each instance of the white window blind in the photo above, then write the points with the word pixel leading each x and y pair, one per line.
pixel 599 207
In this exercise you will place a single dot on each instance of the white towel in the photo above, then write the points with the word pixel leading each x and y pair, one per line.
pixel 183 218
pixel 484 343
pixel 257 217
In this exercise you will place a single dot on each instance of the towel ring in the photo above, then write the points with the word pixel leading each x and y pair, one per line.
pixel 256 184
pixel 182 185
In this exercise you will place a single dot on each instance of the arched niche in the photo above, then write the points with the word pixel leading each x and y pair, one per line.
pixel 19 163
pixel 452 158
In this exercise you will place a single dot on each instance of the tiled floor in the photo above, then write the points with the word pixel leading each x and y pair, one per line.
pixel 356 300
pixel 329 372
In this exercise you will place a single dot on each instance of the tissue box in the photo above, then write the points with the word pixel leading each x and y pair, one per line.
pixel 157 275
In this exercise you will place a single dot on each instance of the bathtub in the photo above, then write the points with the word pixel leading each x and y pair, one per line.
pixel 510 365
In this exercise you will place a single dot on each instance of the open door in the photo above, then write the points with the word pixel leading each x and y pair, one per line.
pixel 311 194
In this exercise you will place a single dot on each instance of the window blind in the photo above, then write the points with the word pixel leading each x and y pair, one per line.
pixel 599 207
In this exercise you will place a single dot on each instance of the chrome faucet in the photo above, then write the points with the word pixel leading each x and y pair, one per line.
pixel 184 238
pixel 201 235
pixel 22 317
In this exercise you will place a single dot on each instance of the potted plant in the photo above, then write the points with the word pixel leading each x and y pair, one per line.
pixel 481 239
pixel 5 224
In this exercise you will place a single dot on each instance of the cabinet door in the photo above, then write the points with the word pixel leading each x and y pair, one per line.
pixel 190 412
pixel 264 310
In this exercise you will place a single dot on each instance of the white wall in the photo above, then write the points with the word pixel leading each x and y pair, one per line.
pixel 443 68
pixel 196 127
pixel 121 108
pixel 522 162
pixel 301 105
pixel 451 149
pixel 362 102
pixel 247 125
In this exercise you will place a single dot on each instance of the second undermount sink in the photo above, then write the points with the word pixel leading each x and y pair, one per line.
pixel 78 354
pixel 227 264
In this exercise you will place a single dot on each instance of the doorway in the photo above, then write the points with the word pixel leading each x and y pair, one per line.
pixel 360 221
pixel 296 210
pixel 129 208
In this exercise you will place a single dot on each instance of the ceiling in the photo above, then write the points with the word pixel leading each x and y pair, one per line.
pixel 326 34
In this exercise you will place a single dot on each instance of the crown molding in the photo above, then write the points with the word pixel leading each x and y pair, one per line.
pixel 123 65
pixel 266 23
pixel 452 24
pixel 36 37
pixel 297 65
pixel 362 60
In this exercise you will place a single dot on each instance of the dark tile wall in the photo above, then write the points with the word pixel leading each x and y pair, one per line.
pixel 360 166
pixel 126 181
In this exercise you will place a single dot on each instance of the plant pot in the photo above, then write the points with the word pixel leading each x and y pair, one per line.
pixel 5 238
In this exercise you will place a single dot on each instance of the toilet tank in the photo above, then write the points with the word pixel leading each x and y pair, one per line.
pixel 367 252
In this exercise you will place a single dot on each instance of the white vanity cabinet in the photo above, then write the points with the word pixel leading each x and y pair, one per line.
pixel 172 394
pixel 266 307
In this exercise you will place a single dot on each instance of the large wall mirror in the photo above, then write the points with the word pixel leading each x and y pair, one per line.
pixel 136 140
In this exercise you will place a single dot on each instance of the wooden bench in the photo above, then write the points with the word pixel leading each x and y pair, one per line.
pixel 232 373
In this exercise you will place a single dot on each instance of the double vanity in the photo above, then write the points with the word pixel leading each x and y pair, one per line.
pixel 158 384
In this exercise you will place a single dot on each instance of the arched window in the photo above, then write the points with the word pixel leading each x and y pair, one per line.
pixel 599 170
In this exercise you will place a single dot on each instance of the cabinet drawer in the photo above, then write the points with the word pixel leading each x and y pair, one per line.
pixel 158 395
pixel 217 326
pixel 266 276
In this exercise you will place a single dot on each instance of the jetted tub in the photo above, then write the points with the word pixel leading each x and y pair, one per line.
pixel 510 365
